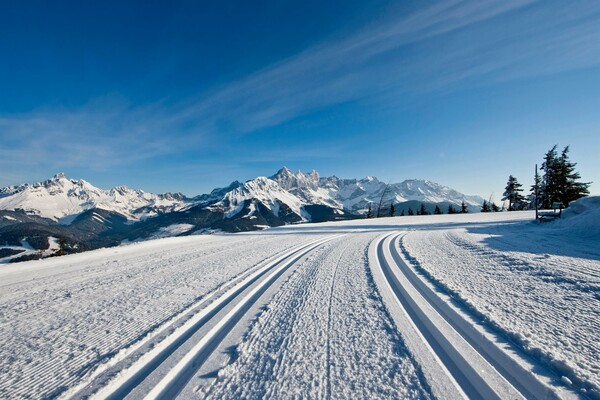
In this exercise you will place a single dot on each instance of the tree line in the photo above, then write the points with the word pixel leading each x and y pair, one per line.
pixel 422 210
pixel 558 184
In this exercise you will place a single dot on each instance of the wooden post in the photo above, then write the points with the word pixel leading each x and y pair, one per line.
pixel 536 192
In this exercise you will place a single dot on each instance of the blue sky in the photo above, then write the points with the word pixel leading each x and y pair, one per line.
pixel 187 96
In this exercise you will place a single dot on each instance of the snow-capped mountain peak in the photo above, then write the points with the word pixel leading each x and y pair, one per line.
pixel 60 198
pixel 262 189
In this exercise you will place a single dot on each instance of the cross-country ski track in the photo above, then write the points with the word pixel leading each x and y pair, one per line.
pixel 334 310
pixel 479 368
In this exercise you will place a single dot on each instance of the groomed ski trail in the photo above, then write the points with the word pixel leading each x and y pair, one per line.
pixel 254 281
pixel 476 366
pixel 325 334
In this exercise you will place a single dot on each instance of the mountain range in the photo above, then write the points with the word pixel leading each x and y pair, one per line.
pixel 61 215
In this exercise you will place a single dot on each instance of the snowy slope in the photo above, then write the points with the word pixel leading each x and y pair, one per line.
pixel 297 312
pixel 60 198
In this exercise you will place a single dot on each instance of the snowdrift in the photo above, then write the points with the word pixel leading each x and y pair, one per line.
pixel 582 218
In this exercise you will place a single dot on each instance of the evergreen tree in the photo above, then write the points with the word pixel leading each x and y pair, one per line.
pixel 512 193
pixel 548 190
pixel 463 208
pixel 485 207
pixel 369 215
pixel 410 211
pixel 560 180
pixel 392 210
pixel 386 189
pixel 402 213
pixel 437 210
pixel 451 209
pixel 423 210
pixel 568 187
pixel 495 208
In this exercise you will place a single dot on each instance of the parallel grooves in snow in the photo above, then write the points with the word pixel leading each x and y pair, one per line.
pixel 511 370
pixel 142 367
pixel 470 371
pixel 178 376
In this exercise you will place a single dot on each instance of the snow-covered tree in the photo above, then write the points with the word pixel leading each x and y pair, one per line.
pixel 512 193
pixel 463 208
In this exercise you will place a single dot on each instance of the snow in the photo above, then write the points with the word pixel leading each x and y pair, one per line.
pixel 582 218
pixel 537 287
pixel 263 189
pixel 319 318
pixel 172 230
pixel 318 325
pixel 62 199
pixel 25 249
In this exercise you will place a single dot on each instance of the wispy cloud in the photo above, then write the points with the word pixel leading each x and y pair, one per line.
pixel 439 47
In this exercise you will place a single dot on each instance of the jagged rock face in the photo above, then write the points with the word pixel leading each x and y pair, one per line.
pixel 290 181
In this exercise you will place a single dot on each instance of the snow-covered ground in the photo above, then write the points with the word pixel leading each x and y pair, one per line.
pixel 304 311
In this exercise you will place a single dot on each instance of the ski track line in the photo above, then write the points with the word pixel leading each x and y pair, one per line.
pixel 481 331
pixel 87 369
pixel 165 324
pixel 329 306
pixel 134 374
pixel 477 364
pixel 174 381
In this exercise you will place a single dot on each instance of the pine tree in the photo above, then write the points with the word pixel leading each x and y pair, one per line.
pixel 451 209
pixel 548 190
pixel 410 211
pixel 392 210
pixel 560 180
pixel 512 193
pixel 437 210
pixel 369 215
pixel 485 207
pixel 402 213
pixel 495 208
pixel 386 189
pixel 463 208
pixel 423 210
pixel 568 187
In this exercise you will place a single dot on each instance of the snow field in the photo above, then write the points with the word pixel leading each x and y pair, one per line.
pixel 545 303
pixel 325 334
pixel 326 328
pixel 55 330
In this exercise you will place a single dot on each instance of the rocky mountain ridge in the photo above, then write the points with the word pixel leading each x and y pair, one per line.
pixel 69 215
